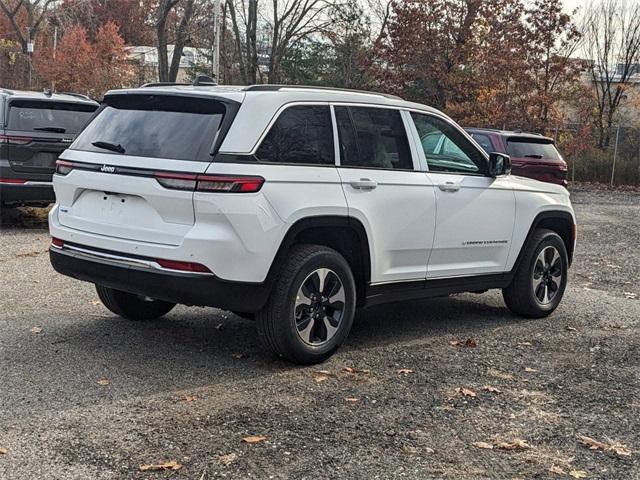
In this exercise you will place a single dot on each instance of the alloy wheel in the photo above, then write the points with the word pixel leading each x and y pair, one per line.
pixel 547 275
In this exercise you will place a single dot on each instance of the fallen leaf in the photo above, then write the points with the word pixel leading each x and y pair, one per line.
pixel 410 450
pixel 525 344
pixel 630 295
pixel 172 465
pixel 498 374
pixel 469 343
pixel 3 451
pixel 570 329
pixel 405 371
pixel 578 474
pixel 620 450
pixel 104 381
pixel 351 399
pixel 530 370
pixel 227 460
pixel 254 439
pixel 36 330
pixel 484 445
pixel 466 392
pixel 557 470
pixel 239 355
pixel 491 389
pixel 323 372
pixel 189 398
pixel 591 443
pixel 95 302
pixel 517 444
pixel 320 378
pixel 356 370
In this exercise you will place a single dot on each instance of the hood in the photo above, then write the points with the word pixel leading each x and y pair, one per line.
pixel 531 185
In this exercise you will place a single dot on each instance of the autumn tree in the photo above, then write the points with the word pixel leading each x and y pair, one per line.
pixel 26 18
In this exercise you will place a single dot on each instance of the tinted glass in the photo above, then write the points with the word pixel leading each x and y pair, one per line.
pixel 532 149
pixel 56 117
pixel 301 134
pixel 158 126
pixel 484 141
pixel 445 148
pixel 373 138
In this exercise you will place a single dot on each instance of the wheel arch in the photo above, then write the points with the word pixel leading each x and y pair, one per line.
pixel 344 234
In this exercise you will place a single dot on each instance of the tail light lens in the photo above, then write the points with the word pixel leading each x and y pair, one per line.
pixel 63 167
pixel 16 140
pixel 210 183
pixel 56 242
pixel 13 181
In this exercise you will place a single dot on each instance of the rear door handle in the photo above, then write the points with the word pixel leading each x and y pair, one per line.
pixel 449 187
pixel 364 184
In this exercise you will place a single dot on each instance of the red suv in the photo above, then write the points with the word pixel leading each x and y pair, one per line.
pixel 532 155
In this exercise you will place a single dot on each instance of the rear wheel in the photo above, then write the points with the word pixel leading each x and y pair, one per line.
pixel 311 308
pixel 541 278
pixel 132 307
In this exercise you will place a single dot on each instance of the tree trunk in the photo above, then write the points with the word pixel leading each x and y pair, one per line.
pixel 181 37
pixel 252 48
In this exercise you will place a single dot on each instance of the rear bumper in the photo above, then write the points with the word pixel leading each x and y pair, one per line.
pixel 35 192
pixel 184 288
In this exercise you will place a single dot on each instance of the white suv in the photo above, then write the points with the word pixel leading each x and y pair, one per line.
pixel 297 206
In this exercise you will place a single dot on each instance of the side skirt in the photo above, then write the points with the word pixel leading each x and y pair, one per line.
pixel 396 292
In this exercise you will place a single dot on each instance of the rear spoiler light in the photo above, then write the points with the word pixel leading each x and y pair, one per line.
pixel 16 139
pixel 175 180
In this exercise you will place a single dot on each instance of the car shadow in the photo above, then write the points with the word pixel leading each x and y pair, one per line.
pixel 23 217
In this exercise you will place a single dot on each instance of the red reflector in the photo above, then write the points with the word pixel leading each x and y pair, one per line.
pixel 57 242
pixel 63 167
pixel 14 181
pixel 183 266
pixel 16 140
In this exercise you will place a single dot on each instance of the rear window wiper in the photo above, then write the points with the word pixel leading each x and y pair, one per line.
pixel 114 147
pixel 50 129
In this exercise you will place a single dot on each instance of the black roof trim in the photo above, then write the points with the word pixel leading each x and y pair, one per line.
pixel 267 87
pixel 163 84
pixel 77 95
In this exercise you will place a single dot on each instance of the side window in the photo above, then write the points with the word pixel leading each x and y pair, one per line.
pixel 301 134
pixel 445 148
pixel 373 138
pixel 484 141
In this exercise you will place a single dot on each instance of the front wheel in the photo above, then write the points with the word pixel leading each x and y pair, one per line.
pixel 132 307
pixel 311 308
pixel 541 278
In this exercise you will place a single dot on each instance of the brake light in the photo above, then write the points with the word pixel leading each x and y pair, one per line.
pixel 13 181
pixel 16 140
pixel 63 167
pixel 56 242
pixel 183 266
pixel 210 183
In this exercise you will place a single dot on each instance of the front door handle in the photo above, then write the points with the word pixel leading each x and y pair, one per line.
pixel 449 187
pixel 364 184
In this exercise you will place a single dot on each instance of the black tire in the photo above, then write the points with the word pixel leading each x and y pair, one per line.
pixel 132 307
pixel 520 296
pixel 246 315
pixel 276 322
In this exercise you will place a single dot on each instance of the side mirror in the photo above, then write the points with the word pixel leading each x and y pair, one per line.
pixel 499 164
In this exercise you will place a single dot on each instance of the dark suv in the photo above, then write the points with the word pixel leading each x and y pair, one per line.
pixel 34 129
pixel 532 155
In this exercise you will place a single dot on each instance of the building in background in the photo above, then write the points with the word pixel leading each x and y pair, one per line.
pixel 145 61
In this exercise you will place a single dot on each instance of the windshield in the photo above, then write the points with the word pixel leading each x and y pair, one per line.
pixel 159 126
pixel 55 117
pixel 528 148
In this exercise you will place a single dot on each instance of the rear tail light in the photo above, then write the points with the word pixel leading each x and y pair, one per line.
pixel 63 167
pixel 183 266
pixel 16 140
pixel 210 183
pixel 56 242
pixel 13 181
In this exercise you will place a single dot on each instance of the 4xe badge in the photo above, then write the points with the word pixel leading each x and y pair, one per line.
pixel 107 169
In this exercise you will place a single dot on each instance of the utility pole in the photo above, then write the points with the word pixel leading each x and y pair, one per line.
pixel 55 46
pixel 215 48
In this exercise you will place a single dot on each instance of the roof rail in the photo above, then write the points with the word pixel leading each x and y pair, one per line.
pixel 6 91
pixel 73 94
pixel 266 87
pixel 162 84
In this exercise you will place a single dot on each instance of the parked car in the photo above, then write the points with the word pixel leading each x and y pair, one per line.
pixel 35 128
pixel 296 206
pixel 532 155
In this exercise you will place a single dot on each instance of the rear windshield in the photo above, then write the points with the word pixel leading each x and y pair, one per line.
pixel 42 116
pixel 158 126
pixel 528 148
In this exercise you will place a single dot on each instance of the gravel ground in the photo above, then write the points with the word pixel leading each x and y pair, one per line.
pixel 86 395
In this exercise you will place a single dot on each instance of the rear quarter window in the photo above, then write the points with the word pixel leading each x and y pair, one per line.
pixel 157 126
pixel 56 117
pixel 528 148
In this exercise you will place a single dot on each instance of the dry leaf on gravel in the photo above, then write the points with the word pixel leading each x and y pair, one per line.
pixel 151 467
pixel 103 382
pixel 469 343
pixel 491 389
pixel 189 398
pixel 593 444
pixel 227 460
pixel 95 302
pixel 3 451
pixel 36 330
pixel 570 329
pixel 525 344
pixel 351 399
pixel 578 474
pixel 630 295
pixel 498 374
pixel 239 355
pixel 517 444
pixel 557 470
pixel 405 371
pixel 356 370
pixel 320 378
pixel 530 370
pixel 466 392
pixel 254 439
pixel 485 445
